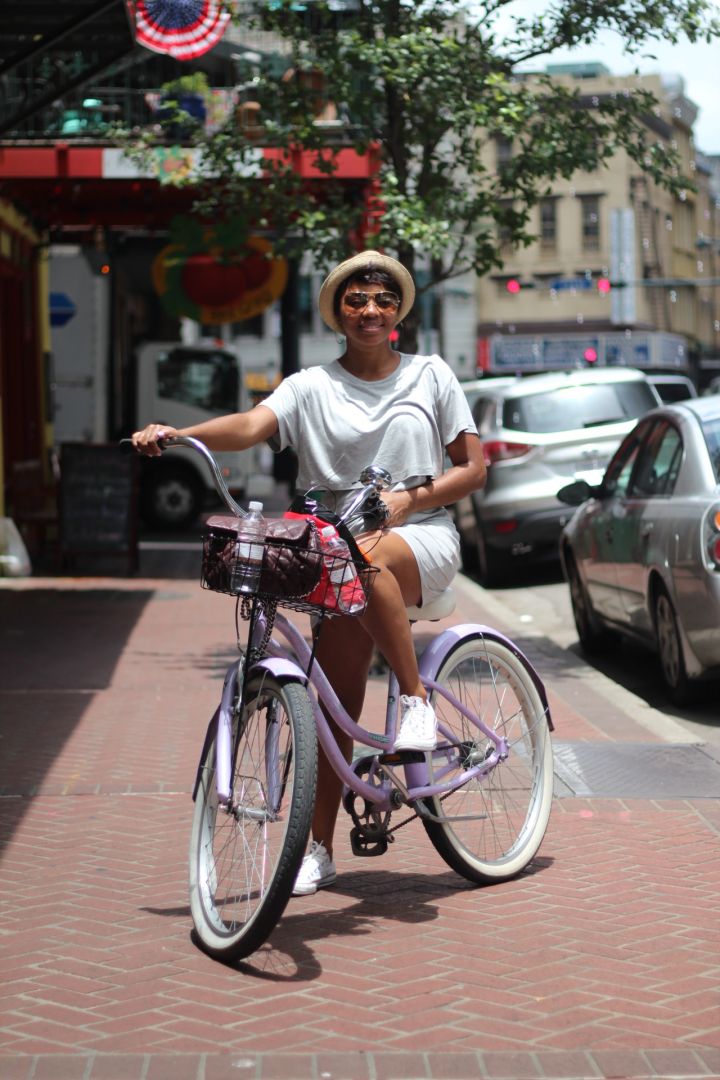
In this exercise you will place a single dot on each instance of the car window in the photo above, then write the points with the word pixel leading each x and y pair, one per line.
pixel 620 469
pixel 711 431
pixel 483 412
pixel 674 391
pixel 205 380
pixel 570 407
pixel 659 463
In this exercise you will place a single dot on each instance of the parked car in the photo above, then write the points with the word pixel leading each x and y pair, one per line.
pixel 673 387
pixel 476 388
pixel 538 433
pixel 642 554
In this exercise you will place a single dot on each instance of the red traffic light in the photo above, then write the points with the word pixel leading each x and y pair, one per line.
pixel 590 356
pixel 513 286
pixel 603 285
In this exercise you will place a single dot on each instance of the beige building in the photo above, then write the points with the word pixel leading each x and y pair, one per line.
pixel 622 271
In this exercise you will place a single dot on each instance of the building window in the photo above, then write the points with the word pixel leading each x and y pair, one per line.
pixel 428 301
pixel 548 223
pixel 503 152
pixel 590 210
pixel 504 231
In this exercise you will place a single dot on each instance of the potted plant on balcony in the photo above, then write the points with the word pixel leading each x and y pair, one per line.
pixel 183 104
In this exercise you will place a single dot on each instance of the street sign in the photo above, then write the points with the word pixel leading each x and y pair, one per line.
pixel 577 283
pixel 62 309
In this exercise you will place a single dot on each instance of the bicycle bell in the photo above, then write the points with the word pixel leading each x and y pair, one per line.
pixel 380 478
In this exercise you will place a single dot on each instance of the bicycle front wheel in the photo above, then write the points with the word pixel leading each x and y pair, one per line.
pixel 245 855
pixel 490 828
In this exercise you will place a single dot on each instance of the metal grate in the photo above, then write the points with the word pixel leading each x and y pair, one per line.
pixel 636 770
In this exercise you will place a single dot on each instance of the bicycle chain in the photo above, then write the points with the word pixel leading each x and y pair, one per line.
pixel 412 817
pixel 270 606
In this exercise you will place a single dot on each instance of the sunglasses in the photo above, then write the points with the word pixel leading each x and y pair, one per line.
pixel 385 301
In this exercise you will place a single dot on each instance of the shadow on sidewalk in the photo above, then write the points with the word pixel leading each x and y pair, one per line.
pixel 379 897
pixel 58 648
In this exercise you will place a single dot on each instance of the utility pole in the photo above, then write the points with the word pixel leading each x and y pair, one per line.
pixel 285 463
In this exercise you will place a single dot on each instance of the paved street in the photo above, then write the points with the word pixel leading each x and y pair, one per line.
pixel 601 961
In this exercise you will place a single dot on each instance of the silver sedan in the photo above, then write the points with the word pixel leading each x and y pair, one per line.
pixel 641 554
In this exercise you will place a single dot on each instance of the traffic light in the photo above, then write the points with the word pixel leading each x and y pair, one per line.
pixel 603 285
pixel 513 286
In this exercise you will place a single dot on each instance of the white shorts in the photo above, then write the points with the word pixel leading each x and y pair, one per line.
pixel 436 546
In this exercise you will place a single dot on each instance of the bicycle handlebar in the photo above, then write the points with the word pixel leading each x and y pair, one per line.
pixel 201 448
pixel 374 478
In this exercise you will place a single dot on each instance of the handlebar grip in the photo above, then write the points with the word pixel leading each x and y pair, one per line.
pixel 126 445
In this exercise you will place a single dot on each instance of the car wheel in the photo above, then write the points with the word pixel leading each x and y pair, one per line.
pixel 492 565
pixel 669 648
pixel 170 498
pixel 593 638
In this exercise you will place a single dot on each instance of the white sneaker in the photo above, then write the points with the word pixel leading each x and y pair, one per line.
pixel 418 726
pixel 316 871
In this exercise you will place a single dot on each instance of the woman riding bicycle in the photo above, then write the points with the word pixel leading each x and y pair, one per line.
pixel 400 411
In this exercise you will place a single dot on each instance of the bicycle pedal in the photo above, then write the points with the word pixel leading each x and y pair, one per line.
pixel 367 849
pixel 403 757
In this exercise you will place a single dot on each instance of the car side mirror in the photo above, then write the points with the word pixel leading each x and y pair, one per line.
pixel 577 493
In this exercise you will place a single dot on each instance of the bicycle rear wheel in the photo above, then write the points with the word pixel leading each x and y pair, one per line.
pixel 244 857
pixel 491 827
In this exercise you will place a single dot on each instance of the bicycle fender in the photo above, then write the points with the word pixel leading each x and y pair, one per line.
pixel 280 668
pixel 220 725
pixel 436 650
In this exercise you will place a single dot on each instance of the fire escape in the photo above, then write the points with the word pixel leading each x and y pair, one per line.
pixel 49 49
pixel 650 253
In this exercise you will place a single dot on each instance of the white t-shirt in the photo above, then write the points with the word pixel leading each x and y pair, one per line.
pixel 339 424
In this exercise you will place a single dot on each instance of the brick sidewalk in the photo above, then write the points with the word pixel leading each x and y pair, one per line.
pixel 600 962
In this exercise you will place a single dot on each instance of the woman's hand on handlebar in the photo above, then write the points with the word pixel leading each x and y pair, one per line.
pixel 146 441
pixel 399 505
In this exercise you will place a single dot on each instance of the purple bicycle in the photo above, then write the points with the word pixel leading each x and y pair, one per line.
pixel 483 796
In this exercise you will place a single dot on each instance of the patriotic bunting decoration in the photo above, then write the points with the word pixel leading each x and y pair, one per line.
pixel 183 29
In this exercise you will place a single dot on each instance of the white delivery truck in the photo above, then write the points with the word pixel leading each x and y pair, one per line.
pixel 174 383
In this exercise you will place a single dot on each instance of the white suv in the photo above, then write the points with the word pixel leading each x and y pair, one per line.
pixel 540 433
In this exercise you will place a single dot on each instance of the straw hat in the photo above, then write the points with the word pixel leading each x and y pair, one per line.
pixel 366 260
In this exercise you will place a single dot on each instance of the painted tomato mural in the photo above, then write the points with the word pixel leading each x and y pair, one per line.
pixel 210 275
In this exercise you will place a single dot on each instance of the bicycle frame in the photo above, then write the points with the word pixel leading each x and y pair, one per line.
pixel 294 661
pixel 256 780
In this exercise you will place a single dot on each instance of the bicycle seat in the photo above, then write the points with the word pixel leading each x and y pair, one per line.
pixel 439 608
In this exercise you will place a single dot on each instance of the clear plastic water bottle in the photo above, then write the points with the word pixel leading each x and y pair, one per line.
pixel 342 572
pixel 248 552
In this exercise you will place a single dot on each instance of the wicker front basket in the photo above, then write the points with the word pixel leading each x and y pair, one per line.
pixel 223 573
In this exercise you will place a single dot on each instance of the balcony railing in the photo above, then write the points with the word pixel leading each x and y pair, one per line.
pixel 95 115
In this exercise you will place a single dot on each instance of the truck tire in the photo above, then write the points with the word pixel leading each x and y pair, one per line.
pixel 171 497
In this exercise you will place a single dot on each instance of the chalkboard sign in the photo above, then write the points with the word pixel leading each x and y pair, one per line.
pixel 98 502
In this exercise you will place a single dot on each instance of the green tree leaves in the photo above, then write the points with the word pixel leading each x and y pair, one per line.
pixel 433 87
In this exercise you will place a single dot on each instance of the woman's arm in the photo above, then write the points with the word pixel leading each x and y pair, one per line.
pixel 237 431
pixel 466 474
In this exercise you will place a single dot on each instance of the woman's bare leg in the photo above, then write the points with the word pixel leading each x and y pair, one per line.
pixel 344 652
pixel 386 621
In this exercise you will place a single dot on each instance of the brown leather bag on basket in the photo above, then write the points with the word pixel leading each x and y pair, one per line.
pixel 292 559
